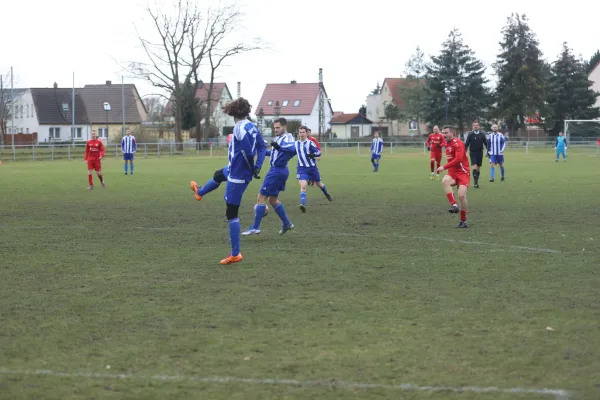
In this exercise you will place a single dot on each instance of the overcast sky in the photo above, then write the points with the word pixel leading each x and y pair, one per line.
pixel 357 46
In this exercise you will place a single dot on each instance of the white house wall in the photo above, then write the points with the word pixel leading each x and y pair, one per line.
pixel 27 122
pixel 374 108
pixel 595 78
pixel 345 131
pixel 65 133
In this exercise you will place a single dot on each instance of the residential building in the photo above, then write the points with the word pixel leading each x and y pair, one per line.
pixel 391 93
pixel 109 124
pixel 22 109
pixel 294 101
pixel 351 126
pixel 53 119
pixel 594 76
pixel 220 97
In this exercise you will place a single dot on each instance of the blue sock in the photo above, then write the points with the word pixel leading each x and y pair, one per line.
pixel 377 166
pixel 324 189
pixel 131 167
pixel 492 172
pixel 125 166
pixel 259 213
pixel 280 210
pixel 303 198
pixel 502 171
pixel 234 236
pixel 208 187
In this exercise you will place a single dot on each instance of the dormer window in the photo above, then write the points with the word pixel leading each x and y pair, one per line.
pixel 285 103
pixel 270 103
pixel 65 107
pixel 296 103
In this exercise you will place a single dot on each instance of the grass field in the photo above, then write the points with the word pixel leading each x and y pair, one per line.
pixel 377 287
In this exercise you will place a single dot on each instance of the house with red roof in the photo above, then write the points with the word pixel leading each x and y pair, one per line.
pixel 391 93
pixel 220 97
pixel 293 101
pixel 350 126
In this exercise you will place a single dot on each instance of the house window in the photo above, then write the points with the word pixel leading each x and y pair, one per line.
pixel 285 103
pixel 16 111
pixel 32 115
pixel 76 133
pixel 102 132
pixel 27 108
pixel 65 107
pixel 54 133
pixel 296 103
pixel 270 103
pixel 27 131
pixel 21 110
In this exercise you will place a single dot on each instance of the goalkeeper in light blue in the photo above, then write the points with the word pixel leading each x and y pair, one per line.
pixel 561 146
pixel 307 153
pixel 376 150
pixel 496 146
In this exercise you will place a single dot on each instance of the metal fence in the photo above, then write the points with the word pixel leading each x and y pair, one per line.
pixel 44 152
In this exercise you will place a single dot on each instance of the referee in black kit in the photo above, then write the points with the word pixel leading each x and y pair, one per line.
pixel 474 143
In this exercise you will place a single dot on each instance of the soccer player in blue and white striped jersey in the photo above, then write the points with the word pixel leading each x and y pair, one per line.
pixel 496 146
pixel 128 148
pixel 376 150
pixel 281 153
pixel 307 152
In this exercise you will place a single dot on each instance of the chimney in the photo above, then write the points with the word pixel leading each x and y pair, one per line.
pixel 293 82
pixel 108 83
pixel 55 85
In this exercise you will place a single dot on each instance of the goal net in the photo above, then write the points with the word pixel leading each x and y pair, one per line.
pixel 582 130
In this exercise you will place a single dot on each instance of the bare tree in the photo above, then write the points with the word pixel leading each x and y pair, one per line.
pixel 6 105
pixel 167 64
pixel 155 105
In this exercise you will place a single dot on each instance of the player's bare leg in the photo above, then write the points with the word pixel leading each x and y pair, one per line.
pixel 280 210
pixel 447 184
pixel 462 198
pixel 101 177
pixel 303 186
pixel 438 162
pixel 323 188
pixel 90 180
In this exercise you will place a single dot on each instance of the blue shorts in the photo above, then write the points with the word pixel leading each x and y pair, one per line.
pixel 308 174
pixel 128 156
pixel 274 182
pixel 499 159
pixel 234 192
pixel 375 156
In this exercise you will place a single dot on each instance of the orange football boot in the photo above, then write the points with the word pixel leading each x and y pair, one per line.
pixel 232 259
pixel 194 187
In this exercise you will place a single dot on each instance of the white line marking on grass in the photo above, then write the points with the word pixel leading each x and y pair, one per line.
pixel 333 383
pixel 536 249
pixel 164 228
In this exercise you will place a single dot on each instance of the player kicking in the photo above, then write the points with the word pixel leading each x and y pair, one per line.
pixel 434 144
pixel 246 140
pixel 496 145
pixel 128 148
pixel 458 174
pixel 94 152
pixel 281 153
pixel 474 143
pixel 307 171
pixel 376 150
pixel 561 146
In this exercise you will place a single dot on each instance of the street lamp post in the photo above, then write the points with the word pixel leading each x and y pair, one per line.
pixel 447 93
pixel 106 109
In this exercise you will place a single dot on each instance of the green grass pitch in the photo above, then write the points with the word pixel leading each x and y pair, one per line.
pixel 377 287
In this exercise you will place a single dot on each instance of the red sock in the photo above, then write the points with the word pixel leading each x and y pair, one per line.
pixel 463 215
pixel 432 164
pixel 438 164
pixel 90 180
pixel 451 199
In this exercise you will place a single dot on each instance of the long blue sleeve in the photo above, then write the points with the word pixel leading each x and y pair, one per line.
pixel 261 151
pixel 134 145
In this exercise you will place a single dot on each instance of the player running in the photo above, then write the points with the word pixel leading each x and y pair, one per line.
pixel 434 144
pixel 474 143
pixel 316 142
pixel 376 150
pixel 94 152
pixel 458 174
pixel 561 146
pixel 307 170
pixel 281 153
pixel 496 145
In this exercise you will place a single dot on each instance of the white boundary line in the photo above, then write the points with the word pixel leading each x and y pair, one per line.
pixel 557 393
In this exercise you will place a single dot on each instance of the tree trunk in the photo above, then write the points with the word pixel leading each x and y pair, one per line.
pixel 198 127
pixel 177 127
pixel 208 113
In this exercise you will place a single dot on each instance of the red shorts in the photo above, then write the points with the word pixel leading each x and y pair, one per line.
pixel 94 165
pixel 436 155
pixel 460 177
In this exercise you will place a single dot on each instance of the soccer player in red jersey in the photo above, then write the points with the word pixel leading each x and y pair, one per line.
pixel 459 174
pixel 434 143
pixel 313 139
pixel 94 151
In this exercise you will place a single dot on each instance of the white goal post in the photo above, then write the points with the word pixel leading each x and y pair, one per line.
pixel 589 128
